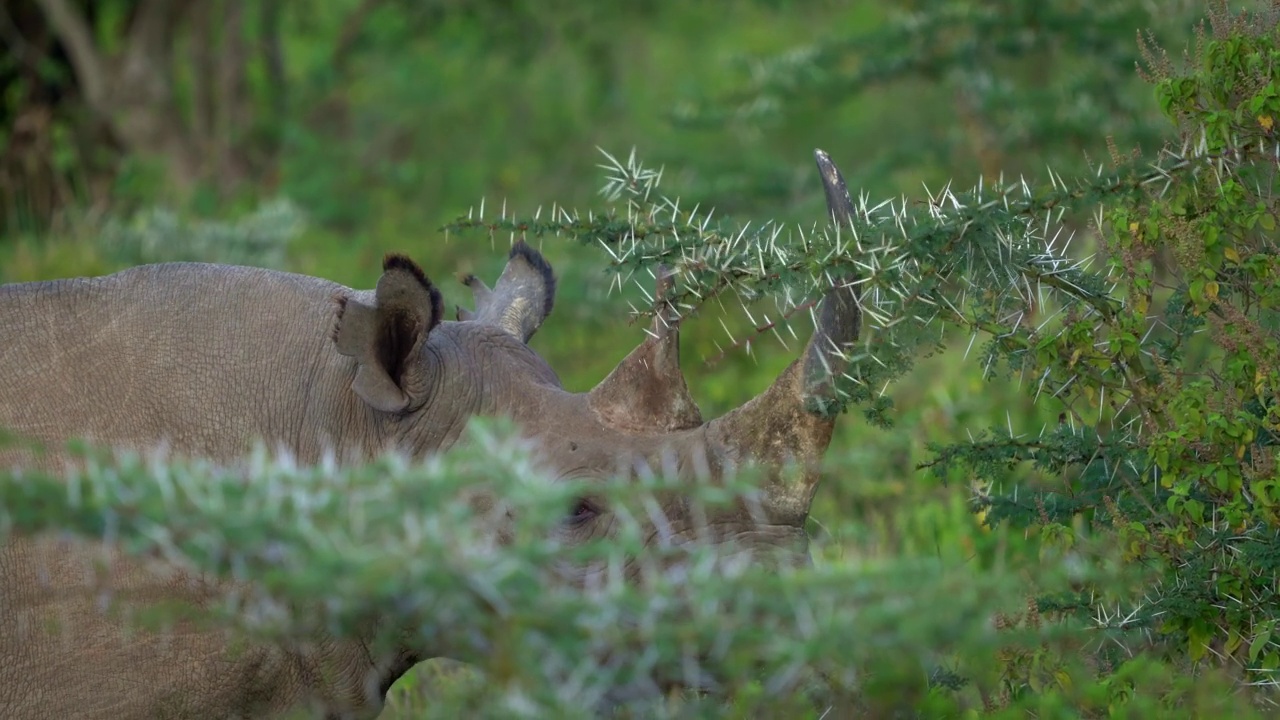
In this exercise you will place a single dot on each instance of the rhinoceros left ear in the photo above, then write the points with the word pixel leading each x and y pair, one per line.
pixel 384 337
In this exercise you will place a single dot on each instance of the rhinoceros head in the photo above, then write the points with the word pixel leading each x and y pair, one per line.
pixel 424 374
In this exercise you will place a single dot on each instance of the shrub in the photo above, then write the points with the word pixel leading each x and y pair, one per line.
pixel 1160 361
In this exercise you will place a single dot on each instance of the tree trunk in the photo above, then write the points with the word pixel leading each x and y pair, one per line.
pixel 352 27
pixel 132 90
pixel 233 113
pixel 272 53
pixel 203 72
pixel 35 178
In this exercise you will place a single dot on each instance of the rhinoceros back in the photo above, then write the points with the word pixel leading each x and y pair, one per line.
pixel 202 359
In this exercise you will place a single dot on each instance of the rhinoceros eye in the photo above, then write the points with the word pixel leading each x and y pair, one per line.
pixel 583 511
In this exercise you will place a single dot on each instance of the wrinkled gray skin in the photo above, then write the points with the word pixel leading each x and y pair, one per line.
pixel 207 359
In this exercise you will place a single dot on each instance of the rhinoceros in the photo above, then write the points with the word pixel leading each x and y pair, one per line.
pixel 209 359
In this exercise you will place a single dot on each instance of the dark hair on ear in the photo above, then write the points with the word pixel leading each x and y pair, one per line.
pixel 539 263
pixel 398 261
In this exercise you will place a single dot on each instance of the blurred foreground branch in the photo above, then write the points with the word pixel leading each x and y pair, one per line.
pixel 318 552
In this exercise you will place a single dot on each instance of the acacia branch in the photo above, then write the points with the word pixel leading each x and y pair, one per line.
pixel 760 330
pixel 76 36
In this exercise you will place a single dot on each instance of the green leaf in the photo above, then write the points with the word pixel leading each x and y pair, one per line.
pixel 1198 637
pixel 1259 643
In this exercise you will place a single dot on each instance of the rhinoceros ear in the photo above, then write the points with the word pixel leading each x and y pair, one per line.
pixel 523 297
pixel 386 336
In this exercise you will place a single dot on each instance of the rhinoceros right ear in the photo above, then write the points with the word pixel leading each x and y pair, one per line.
pixel 386 336
pixel 521 300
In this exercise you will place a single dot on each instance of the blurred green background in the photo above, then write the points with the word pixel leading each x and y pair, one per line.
pixel 317 136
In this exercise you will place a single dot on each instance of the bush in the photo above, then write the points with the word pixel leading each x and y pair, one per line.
pixel 330 551
pixel 1160 362
pixel 260 238
pixel 1169 378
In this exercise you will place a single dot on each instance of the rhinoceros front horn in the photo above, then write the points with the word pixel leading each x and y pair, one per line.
pixel 792 421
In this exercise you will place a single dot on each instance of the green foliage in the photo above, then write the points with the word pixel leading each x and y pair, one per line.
pixel 1204 381
pixel 260 238
pixel 1168 379
pixel 999 87
pixel 1160 363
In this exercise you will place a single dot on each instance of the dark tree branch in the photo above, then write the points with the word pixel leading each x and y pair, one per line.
pixel 149 49
pixel 77 37
pixel 351 28
pixel 202 71
pixel 273 57
pixel 233 111
pixel 13 37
